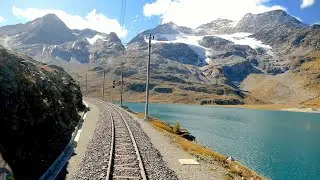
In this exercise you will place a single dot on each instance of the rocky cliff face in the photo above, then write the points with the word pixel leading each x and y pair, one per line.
pixel 39 110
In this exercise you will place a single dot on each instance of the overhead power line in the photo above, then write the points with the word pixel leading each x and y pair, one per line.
pixel 160 19
pixel 122 18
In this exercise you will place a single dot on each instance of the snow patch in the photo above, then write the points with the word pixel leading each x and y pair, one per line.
pixel 204 53
pixel 191 41
pixel 244 39
pixel 95 38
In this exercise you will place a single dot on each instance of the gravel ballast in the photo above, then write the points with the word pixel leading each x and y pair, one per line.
pixel 95 161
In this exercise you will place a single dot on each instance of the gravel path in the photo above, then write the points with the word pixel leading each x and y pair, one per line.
pixel 86 134
pixel 95 161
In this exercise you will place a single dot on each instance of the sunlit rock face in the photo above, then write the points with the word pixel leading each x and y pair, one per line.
pixel 39 110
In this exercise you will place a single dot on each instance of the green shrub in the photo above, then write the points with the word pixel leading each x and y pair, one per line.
pixel 176 128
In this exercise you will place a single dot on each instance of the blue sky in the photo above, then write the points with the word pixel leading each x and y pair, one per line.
pixel 104 15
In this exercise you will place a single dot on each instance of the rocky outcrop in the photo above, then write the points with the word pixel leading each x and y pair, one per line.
pixel 164 90
pixel 139 42
pixel 139 87
pixel 177 52
pixel 76 51
pixel 215 43
pixel 169 78
pixel 221 102
pixel 238 71
pixel 39 110
pixel 218 26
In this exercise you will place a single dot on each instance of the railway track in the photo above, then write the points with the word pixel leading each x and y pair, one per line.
pixel 124 158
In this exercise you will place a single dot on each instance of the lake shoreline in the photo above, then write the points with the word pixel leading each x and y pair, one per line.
pixel 260 139
pixel 271 107
pixel 274 107
pixel 234 169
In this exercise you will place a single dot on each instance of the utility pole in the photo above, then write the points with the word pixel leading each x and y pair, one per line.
pixel 147 84
pixel 87 84
pixel 121 89
pixel 104 78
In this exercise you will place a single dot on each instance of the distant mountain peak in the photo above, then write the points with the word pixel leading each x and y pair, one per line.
pixel 219 25
pixel 47 19
pixel 278 11
pixel 50 16
pixel 49 29
pixel 113 37
pixel 255 22
pixel 170 23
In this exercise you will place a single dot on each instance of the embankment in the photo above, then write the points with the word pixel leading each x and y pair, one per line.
pixel 40 107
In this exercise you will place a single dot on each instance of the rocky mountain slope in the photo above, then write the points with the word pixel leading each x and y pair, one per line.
pixel 292 87
pixel 218 26
pixel 39 110
pixel 221 52
pixel 47 39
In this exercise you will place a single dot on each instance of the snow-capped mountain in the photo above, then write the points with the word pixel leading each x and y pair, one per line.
pixel 48 38
pixel 239 48
pixel 258 43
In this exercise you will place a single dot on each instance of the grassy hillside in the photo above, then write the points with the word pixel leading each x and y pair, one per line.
pixel 296 86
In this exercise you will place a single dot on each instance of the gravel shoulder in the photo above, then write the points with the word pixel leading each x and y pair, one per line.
pixel 88 128
pixel 171 153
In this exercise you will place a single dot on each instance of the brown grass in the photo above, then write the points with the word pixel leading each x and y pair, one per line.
pixel 315 54
pixel 313 103
pixel 197 149
pixel 161 125
pixel 140 115
pixel 193 148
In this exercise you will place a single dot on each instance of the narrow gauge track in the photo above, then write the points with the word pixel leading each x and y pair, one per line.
pixel 124 158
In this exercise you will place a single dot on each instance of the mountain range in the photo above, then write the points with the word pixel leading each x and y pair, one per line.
pixel 218 62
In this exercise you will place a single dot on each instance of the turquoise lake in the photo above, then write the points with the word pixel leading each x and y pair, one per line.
pixel 276 144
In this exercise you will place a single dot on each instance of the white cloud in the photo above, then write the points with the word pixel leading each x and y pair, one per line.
pixel 2 19
pixel 307 3
pixel 93 20
pixel 192 13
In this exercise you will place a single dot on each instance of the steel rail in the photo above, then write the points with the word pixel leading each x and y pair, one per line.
pixel 112 150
